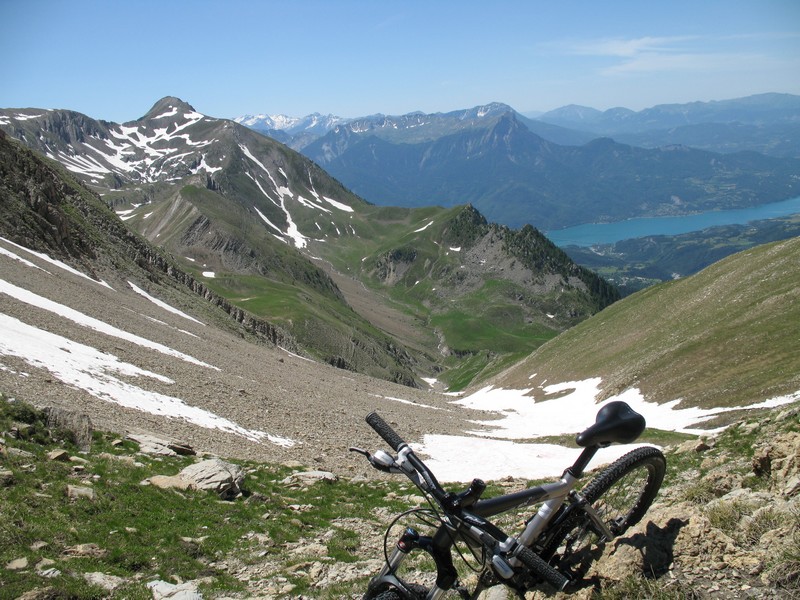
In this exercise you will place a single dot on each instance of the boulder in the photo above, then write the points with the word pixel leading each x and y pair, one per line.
pixel 163 590
pixel 308 478
pixel 17 564
pixel 6 478
pixel 218 476
pixel 105 581
pixel 170 481
pixel 75 492
pixel 77 424
pixel 780 461
pixel 58 455
pixel 150 444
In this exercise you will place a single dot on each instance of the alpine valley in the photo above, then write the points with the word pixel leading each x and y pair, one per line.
pixel 182 284
pixel 397 293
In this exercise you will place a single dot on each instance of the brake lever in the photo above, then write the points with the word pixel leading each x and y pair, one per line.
pixel 383 461
pixel 359 451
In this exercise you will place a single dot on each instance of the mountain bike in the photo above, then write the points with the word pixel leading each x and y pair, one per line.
pixel 558 543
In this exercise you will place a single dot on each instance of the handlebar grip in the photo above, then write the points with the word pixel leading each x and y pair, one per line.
pixel 383 429
pixel 539 567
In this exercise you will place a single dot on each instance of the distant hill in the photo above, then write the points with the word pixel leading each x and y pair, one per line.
pixel 450 158
pixel 637 263
pixel 766 123
pixel 753 110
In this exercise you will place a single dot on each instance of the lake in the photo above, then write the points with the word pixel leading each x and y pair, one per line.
pixel 608 233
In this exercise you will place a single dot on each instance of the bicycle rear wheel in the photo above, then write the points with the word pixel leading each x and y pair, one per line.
pixel 621 495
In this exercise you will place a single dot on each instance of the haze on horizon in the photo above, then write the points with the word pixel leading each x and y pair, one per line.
pixel 113 60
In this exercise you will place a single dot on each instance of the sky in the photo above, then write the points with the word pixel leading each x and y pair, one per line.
pixel 113 60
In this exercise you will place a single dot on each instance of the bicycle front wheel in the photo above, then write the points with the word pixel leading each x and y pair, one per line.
pixel 621 495
pixel 419 592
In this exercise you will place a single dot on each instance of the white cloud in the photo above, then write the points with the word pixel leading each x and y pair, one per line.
pixel 626 47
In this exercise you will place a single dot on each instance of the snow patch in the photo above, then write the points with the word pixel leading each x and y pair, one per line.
pixel 97 373
pixel 162 304
pixel 79 318
pixel 523 417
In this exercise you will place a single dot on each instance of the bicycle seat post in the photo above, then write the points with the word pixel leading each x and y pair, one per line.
pixel 586 456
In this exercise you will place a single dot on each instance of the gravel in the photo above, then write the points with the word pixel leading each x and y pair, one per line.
pixel 257 386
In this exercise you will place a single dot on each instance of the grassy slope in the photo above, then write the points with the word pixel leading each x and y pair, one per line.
pixel 275 534
pixel 486 328
pixel 725 336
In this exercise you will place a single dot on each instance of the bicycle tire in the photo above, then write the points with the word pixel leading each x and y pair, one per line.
pixel 418 593
pixel 621 494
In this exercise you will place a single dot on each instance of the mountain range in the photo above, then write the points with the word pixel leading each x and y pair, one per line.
pixel 766 123
pixel 563 169
pixel 393 292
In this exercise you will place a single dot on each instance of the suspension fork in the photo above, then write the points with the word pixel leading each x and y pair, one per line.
pixel 438 547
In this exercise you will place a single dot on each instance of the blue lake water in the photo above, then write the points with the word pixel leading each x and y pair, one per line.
pixel 608 233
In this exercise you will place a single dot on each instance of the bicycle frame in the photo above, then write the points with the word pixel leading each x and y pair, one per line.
pixel 463 516
pixel 471 525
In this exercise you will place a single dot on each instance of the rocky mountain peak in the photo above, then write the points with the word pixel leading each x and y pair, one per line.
pixel 167 107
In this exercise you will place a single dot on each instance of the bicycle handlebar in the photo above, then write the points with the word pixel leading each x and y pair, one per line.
pixel 383 429
pixel 389 435
pixel 449 501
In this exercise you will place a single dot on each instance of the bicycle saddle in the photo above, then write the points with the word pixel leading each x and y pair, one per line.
pixel 615 422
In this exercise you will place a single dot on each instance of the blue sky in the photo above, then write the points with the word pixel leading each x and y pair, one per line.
pixel 114 59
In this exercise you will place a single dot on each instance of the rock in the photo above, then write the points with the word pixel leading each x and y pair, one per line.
pixel 129 460
pixel 21 431
pixel 780 460
pixel 17 564
pixel 792 487
pixel 685 447
pixel 47 593
pixel 107 582
pixel 761 461
pixel 163 590
pixel 77 424
pixel 182 448
pixel 150 444
pixel 90 550
pixel 170 481
pixel 6 478
pixel 307 478
pixel 223 478
pixel 18 453
pixel 58 455
pixel 75 492
pixel 36 546
pixel 45 563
